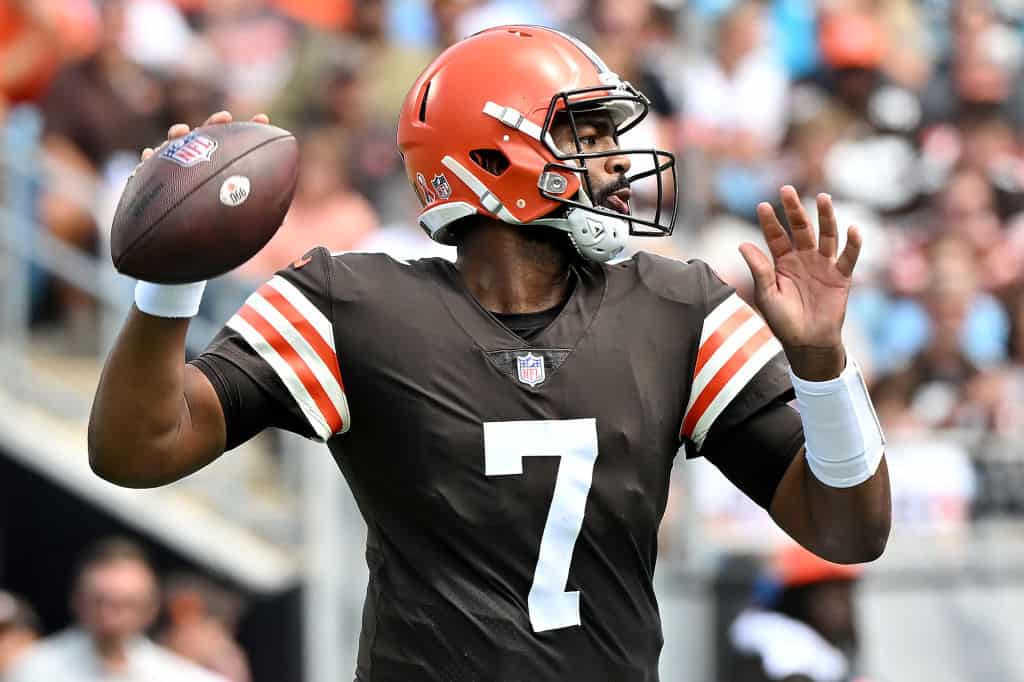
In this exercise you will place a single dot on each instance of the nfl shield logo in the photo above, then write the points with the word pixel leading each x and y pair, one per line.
pixel 440 183
pixel 530 369
pixel 189 150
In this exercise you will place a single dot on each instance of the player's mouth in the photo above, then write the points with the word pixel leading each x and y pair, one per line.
pixel 618 201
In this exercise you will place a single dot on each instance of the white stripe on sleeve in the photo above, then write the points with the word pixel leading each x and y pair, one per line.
pixel 286 373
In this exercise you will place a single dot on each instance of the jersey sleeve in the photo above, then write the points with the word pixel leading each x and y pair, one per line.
pixel 737 414
pixel 275 363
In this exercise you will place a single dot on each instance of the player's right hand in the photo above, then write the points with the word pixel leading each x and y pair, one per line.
pixel 181 130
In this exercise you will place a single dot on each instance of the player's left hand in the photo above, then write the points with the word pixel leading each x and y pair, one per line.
pixel 802 291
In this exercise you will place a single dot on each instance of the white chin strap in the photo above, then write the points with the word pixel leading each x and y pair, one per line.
pixel 597 237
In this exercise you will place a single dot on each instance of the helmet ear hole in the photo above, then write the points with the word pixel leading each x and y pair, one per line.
pixel 423 102
pixel 491 160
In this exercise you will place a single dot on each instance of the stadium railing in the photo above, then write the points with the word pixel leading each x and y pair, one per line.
pixel 242 517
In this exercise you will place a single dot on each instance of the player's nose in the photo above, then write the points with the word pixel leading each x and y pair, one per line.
pixel 617 164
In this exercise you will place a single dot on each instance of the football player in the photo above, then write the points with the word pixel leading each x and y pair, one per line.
pixel 508 423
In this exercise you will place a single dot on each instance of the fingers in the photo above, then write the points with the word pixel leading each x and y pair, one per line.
pixel 260 118
pixel 181 130
pixel 177 130
pixel 761 268
pixel 848 259
pixel 799 222
pixel 219 117
pixel 774 234
pixel 828 230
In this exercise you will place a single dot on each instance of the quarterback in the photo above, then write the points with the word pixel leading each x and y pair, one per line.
pixel 508 423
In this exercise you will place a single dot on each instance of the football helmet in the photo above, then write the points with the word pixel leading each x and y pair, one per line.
pixel 475 135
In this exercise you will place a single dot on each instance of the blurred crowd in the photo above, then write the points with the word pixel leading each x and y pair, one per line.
pixel 117 602
pixel 909 113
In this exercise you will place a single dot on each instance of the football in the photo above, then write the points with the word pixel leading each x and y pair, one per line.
pixel 204 203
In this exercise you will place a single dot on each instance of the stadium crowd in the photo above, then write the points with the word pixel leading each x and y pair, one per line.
pixel 909 113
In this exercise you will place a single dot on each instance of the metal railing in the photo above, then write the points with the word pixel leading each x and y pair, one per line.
pixel 324 524
pixel 24 244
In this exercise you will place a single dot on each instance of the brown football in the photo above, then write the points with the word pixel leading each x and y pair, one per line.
pixel 204 203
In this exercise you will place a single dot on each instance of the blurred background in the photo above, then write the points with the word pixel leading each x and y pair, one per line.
pixel 910 113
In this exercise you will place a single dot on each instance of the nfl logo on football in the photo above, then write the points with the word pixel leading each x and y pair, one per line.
pixel 530 369
pixel 190 150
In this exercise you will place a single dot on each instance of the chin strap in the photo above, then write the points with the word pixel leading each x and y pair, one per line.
pixel 596 236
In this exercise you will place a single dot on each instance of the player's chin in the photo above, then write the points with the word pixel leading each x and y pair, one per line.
pixel 616 206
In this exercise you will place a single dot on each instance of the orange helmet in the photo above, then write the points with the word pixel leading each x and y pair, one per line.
pixel 495 95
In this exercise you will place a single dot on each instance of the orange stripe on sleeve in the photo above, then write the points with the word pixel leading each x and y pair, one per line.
pixel 722 377
pixel 718 337
pixel 303 326
pixel 298 365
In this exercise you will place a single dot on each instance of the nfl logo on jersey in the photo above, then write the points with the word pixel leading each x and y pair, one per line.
pixel 530 369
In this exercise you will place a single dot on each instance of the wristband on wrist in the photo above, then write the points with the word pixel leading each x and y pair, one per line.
pixel 843 439
pixel 169 300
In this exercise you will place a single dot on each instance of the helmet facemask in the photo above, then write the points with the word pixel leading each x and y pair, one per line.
pixel 462 164
pixel 651 179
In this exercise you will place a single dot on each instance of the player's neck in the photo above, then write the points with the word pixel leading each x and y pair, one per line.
pixel 511 271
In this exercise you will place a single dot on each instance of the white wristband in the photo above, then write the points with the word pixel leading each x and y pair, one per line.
pixel 169 300
pixel 843 439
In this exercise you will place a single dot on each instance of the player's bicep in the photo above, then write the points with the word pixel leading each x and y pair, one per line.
pixel 275 363
pixel 248 400
pixel 203 432
pixel 756 453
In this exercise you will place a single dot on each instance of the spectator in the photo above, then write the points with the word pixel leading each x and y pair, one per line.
pixel 19 630
pixel 96 108
pixel 252 45
pixel 853 46
pixel 36 37
pixel 967 209
pixel 942 387
pixel 201 620
pixel 738 139
pixel 103 104
pixel 143 19
pixel 981 72
pixel 114 600
pixel 326 211
pixel 28 62
pixel 807 632
pixel 737 70
pixel 873 162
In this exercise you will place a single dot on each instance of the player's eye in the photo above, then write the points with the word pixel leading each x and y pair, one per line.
pixel 588 140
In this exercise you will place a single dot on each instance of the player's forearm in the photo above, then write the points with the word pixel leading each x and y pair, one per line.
pixel 834 498
pixel 141 430
pixel 851 525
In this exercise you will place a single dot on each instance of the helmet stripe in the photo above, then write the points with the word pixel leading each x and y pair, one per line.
pixel 587 51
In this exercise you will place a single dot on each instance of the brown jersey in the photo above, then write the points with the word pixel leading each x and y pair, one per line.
pixel 512 490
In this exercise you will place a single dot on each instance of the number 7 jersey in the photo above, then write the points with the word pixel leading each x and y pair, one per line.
pixel 512 490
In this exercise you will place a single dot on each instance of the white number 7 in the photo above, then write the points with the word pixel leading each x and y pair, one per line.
pixel 575 441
